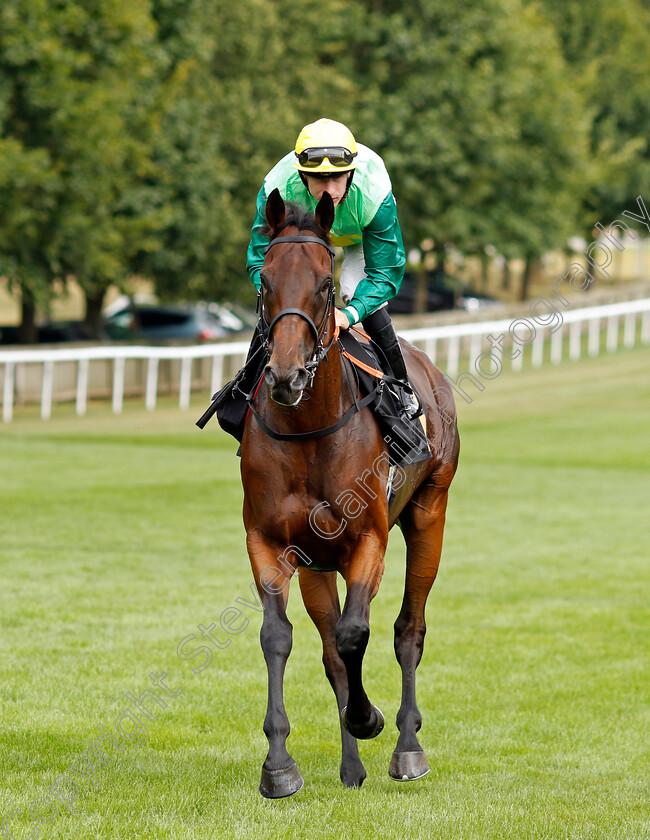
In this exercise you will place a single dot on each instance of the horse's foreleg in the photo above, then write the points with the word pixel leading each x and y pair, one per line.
pixel 422 524
pixel 321 599
pixel 280 774
pixel 360 717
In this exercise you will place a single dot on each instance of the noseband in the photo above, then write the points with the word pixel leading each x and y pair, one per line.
pixel 319 350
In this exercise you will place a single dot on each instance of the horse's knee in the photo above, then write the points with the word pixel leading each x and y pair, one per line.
pixel 409 637
pixel 276 636
pixel 352 636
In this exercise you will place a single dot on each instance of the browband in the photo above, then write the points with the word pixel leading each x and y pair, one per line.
pixel 316 239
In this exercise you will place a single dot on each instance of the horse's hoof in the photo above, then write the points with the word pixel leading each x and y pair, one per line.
pixel 277 784
pixel 408 766
pixel 364 731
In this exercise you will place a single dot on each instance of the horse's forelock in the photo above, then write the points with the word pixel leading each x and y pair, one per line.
pixel 298 216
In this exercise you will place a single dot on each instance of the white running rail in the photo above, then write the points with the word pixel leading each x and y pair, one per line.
pixel 454 340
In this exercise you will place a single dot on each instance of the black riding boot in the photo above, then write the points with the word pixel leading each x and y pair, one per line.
pixel 381 330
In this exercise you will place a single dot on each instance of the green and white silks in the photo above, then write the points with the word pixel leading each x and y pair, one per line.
pixel 365 226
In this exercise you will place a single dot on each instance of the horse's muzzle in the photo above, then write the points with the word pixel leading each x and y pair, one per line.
pixel 286 389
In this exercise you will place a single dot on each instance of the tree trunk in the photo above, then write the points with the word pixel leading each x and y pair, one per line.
pixel 93 321
pixel 27 333
pixel 505 279
pixel 439 251
pixel 531 269
pixel 485 264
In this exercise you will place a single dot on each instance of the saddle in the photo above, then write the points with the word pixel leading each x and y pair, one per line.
pixel 406 440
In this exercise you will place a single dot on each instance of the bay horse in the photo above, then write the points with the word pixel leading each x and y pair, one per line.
pixel 315 498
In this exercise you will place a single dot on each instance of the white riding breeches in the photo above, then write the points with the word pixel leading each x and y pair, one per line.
pixel 352 272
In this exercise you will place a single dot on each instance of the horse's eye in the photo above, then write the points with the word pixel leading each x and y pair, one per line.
pixel 325 285
pixel 265 282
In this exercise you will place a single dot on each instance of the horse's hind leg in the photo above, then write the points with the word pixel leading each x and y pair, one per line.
pixel 322 603
pixel 422 523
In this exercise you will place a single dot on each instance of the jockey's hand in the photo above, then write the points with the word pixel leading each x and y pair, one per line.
pixel 341 319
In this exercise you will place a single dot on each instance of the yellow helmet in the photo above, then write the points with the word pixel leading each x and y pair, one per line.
pixel 325 146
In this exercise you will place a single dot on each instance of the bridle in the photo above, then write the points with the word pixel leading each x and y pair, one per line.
pixel 320 351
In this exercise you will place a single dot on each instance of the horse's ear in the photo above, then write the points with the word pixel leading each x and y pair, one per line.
pixel 275 211
pixel 325 212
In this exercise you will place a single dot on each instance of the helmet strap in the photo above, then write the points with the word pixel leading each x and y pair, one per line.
pixel 347 189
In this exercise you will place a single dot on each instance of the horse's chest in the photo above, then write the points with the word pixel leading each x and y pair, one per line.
pixel 315 503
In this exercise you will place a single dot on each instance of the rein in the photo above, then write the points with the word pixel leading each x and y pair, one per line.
pixel 320 352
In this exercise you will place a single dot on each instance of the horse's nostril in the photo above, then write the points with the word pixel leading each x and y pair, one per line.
pixel 299 379
pixel 270 375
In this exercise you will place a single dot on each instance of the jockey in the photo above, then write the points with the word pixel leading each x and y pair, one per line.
pixel 327 159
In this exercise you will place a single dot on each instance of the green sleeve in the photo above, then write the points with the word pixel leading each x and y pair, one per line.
pixel 258 243
pixel 383 251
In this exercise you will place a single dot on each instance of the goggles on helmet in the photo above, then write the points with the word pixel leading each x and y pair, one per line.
pixel 336 155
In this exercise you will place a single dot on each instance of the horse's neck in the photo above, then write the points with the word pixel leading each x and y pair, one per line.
pixel 327 386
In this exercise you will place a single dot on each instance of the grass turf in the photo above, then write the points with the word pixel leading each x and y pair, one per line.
pixel 121 534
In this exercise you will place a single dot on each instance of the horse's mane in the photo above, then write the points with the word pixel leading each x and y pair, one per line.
pixel 298 216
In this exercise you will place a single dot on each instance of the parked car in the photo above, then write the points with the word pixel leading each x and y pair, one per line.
pixel 8 334
pixel 127 321
pixel 49 332
pixel 247 316
pixel 52 332
pixel 443 292
pixel 165 322
pixel 229 317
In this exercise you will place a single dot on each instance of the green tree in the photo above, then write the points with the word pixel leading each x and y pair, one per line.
pixel 241 80
pixel 79 99
pixel 29 185
pixel 483 139
pixel 605 46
